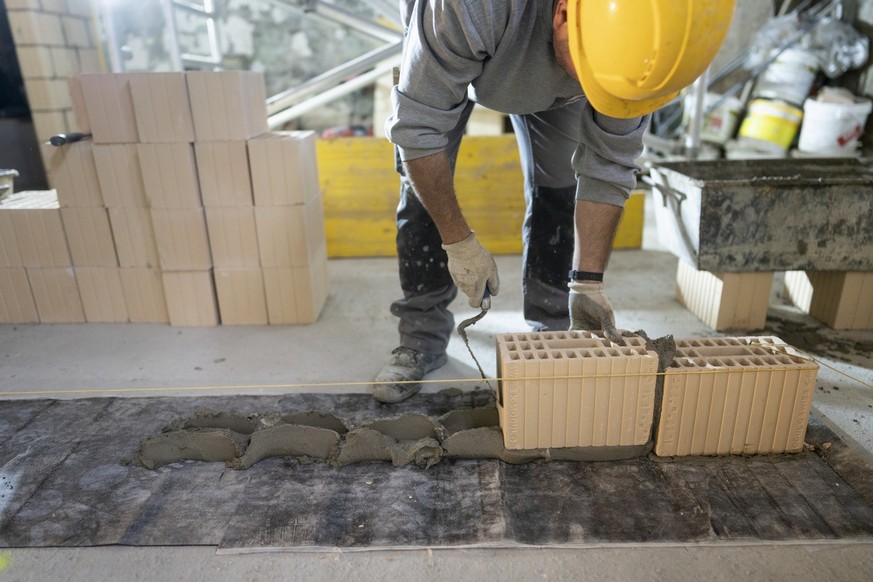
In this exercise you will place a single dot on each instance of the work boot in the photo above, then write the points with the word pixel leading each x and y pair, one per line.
pixel 405 365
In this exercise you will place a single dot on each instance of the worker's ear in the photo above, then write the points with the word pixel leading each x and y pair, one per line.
pixel 559 19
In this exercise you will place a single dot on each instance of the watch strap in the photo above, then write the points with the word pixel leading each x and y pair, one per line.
pixel 585 276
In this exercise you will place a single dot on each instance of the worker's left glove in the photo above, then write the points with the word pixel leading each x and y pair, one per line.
pixel 473 270
pixel 590 310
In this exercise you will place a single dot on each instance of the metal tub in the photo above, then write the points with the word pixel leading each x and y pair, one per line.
pixel 767 215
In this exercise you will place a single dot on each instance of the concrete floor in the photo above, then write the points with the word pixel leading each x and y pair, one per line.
pixel 341 352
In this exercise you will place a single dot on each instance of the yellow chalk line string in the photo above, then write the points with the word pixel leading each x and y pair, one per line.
pixel 684 371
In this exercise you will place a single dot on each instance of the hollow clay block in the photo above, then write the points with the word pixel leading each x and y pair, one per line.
pixel 196 444
pixel 288 440
pixel 318 419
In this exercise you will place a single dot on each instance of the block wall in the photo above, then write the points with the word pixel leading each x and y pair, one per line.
pixel 54 40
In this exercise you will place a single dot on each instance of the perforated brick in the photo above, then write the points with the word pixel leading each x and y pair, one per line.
pixel 725 300
pixel 840 299
pixel 574 389
pixel 744 395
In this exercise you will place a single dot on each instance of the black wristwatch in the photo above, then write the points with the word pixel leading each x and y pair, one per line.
pixel 585 276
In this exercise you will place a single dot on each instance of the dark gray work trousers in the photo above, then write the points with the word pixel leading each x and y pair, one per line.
pixel 546 142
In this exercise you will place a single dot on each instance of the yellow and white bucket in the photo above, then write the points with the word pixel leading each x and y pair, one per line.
pixel 775 122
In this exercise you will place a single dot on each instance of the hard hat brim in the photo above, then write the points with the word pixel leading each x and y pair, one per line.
pixel 608 104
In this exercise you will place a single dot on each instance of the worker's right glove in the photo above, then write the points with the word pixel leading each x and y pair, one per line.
pixel 472 269
pixel 590 310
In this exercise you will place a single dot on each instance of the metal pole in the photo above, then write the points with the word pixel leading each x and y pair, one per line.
pixel 329 78
pixel 698 92
pixel 324 97
pixel 353 21
pixel 116 61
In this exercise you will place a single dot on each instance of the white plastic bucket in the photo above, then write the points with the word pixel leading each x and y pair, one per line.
pixel 719 124
pixel 832 129
pixel 788 78
pixel 771 121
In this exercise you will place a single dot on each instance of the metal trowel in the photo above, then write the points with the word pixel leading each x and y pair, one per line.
pixel 462 331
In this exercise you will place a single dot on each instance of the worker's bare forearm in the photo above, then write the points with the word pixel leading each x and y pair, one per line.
pixel 431 177
pixel 596 223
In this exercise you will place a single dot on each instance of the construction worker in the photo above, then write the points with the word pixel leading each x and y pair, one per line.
pixel 579 79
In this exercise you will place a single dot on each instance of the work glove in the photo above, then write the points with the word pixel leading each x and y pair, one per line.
pixel 473 270
pixel 590 310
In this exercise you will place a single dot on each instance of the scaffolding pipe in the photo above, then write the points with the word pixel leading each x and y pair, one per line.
pixel 698 92
pixel 359 82
pixel 353 21
pixel 357 66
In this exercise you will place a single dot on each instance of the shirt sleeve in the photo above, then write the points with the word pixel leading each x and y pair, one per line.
pixel 605 159
pixel 444 51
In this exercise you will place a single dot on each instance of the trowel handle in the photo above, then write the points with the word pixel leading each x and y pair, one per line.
pixel 65 138
pixel 486 300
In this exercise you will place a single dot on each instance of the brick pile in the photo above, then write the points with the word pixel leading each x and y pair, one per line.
pixel 183 208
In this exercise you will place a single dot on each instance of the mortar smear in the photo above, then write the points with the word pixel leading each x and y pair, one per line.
pixel 193 444
pixel 318 419
pixel 288 440
pixel 406 427
pixel 409 438
pixel 240 423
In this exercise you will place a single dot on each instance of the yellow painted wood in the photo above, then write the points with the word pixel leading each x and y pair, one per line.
pixel 629 234
pixel 361 190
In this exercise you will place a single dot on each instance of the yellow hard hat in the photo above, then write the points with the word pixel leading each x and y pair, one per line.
pixel 634 56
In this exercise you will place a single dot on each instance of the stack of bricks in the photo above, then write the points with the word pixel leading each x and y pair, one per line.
pixel 290 224
pixel 720 396
pixel 88 233
pixel 159 214
pixel 54 40
pixel 37 282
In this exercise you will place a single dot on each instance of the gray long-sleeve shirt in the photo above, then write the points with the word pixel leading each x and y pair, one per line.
pixel 500 53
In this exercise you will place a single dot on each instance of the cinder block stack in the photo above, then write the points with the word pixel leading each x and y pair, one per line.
pixel 88 232
pixel 223 126
pixel 38 282
pixel 159 210
pixel 290 222
pixel 165 126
